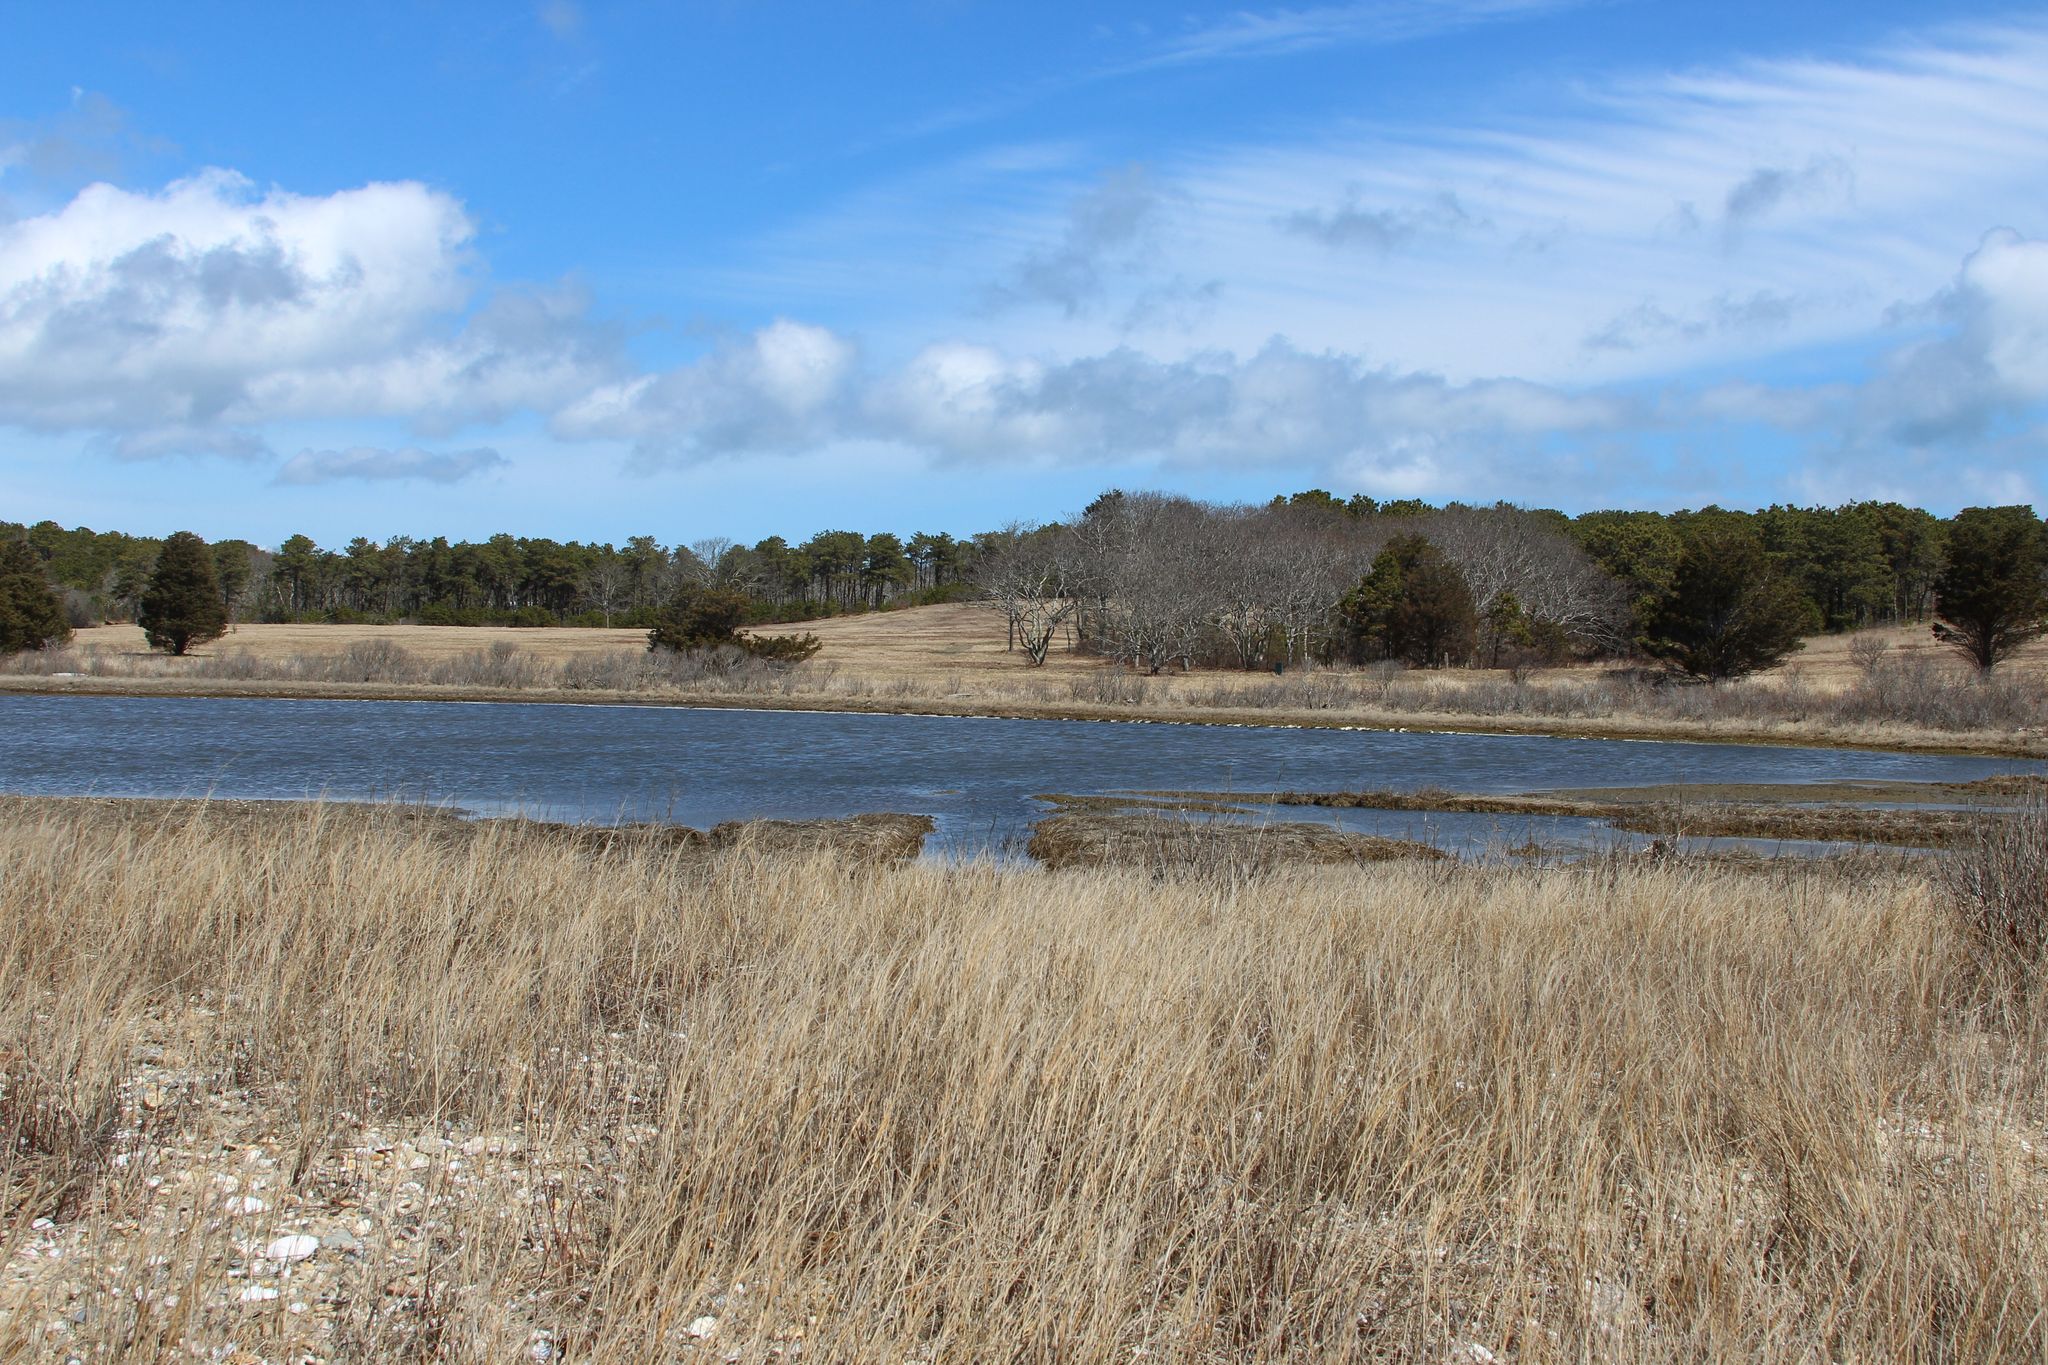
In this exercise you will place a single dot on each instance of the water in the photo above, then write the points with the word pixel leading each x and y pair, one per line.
pixel 975 776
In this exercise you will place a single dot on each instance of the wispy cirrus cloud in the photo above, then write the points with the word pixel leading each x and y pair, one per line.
pixel 1246 35
pixel 1253 34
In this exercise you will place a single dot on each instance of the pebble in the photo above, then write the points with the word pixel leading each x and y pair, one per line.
pixel 296 1247
pixel 258 1293
pixel 703 1327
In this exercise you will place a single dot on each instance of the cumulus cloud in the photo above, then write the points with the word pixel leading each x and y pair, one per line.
pixel 373 464
pixel 1989 362
pixel 791 386
pixel 125 309
pixel 210 306
pixel 775 390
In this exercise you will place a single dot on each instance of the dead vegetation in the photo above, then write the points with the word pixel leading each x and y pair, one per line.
pixel 296 1083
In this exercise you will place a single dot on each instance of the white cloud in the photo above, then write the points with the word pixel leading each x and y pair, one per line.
pixel 960 401
pixel 374 464
pixel 776 390
pixel 210 305
pixel 126 309
pixel 1989 360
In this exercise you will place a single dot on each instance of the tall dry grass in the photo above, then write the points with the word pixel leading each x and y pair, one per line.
pixel 767 1108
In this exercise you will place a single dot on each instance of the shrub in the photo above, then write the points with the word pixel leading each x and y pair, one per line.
pixel 781 649
pixel 710 619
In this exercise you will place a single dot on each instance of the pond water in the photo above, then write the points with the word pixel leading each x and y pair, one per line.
pixel 976 776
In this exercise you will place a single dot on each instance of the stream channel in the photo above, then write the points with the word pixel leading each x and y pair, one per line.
pixel 977 777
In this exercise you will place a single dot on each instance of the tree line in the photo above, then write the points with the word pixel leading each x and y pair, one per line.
pixel 506 580
pixel 1159 581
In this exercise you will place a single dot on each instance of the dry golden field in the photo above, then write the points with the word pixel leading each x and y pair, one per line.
pixel 951 660
pixel 916 642
pixel 342 1085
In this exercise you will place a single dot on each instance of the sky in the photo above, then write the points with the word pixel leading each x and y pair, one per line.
pixel 590 270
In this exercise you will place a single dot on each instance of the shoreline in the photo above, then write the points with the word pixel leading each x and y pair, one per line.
pixel 2017 746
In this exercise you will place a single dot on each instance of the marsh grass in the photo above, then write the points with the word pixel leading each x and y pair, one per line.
pixel 1627 1110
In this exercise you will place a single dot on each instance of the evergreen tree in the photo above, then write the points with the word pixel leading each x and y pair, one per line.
pixel 1413 605
pixel 1729 610
pixel 700 617
pixel 182 606
pixel 232 568
pixel 705 618
pixel 1992 596
pixel 31 615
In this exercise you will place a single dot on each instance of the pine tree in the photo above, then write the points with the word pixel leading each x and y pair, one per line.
pixel 1992 596
pixel 31 615
pixel 1413 605
pixel 1729 611
pixel 183 606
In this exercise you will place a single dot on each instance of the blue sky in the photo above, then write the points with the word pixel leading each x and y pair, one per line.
pixel 590 270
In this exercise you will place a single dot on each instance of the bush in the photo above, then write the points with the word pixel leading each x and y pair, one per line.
pixel 710 619
pixel 781 649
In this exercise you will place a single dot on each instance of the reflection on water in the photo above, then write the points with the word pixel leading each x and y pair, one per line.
pixel 976 776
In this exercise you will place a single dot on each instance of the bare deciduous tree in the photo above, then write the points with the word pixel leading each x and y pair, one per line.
pixel 1023 574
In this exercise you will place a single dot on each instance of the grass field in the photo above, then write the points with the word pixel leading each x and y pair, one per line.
pixel 917 642
pixel 343 1084
pixel 951 659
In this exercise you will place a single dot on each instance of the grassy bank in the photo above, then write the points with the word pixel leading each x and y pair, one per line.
pixel 333 1083
pixel 949 661
pixel 1898 813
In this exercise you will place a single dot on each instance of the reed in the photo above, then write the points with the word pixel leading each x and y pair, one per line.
pixel 534 1095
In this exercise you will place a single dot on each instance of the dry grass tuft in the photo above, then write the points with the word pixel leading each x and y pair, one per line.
pixel 1182 843
pixel 534 1098
pixel 1998 882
